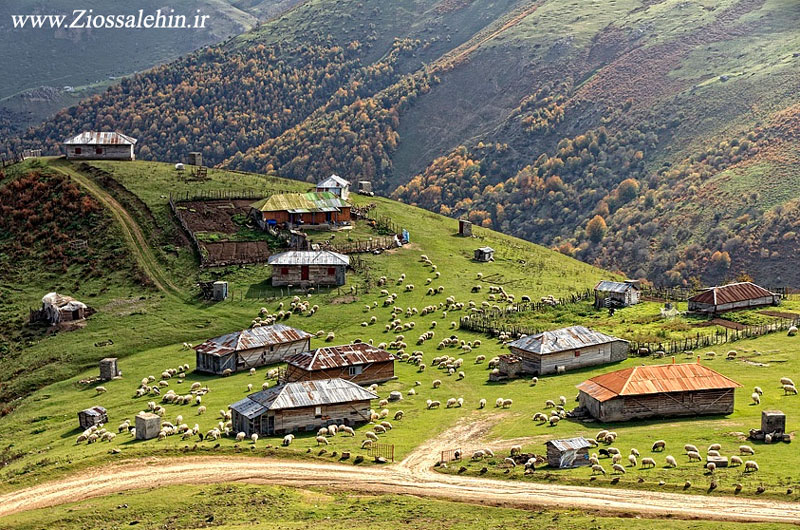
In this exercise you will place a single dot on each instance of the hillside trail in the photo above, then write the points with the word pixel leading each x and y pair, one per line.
pixel 412 476
pixel 137 241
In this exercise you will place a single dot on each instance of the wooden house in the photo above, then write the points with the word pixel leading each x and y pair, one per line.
pixel 302 406
pixel 311 210
pixel 57 309
pixel 616 294
pixel 566 349
pixel 92 416
pixel 733 296
pixel 250 348
pixel 568 453
pixel 336 185
pixel 484 254
pixel 100 146
pixel 309 267
pixel 360 363
pixel 660 391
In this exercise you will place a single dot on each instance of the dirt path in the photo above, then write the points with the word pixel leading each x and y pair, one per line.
pixel 412 476
pixel 130 228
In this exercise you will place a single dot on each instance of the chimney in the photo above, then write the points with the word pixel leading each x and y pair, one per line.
pixel 698 359
pixel 673 359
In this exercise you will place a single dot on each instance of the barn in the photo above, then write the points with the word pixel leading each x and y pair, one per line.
pixel 616 294
pixel 250 348
pixel 360 363
pixel 302 405
pixel 336 185
pixel 312 210
pixel 566 349
pixel 567 453
pixel 659 391
pixel 58 309
pixel 733 296
pixel 309 267
pixel 100 146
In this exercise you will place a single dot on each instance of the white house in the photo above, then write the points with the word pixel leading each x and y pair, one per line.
pixel 336 185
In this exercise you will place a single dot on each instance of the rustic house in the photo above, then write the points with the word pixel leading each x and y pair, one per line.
pixel 616 294
pixel 336 185
pixel 360 363
pixel 739 295
pixel 561 350
pixel 92 416
pixel 484 254
pixel 301 210
pixel 57 309
pixel 666 390
pixel 250 348
pixel 567 453
pixel 308 267
pixel 303 405
pixel 100 146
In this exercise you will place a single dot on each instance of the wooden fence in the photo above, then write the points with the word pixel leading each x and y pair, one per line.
pixel 381 450
pixel 195 243
pixel 356 247
pixel 450 455
pixel 19 157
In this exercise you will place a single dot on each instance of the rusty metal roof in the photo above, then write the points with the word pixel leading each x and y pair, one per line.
pixel 248 339
pixel 733 292
pixel 309 257
pixel 323 201
pixel 302 394
pixel 100 138
pixel 563 339
pixel 642 380
pixel 339 356
pixel 607 286
pixel 334 181
pixel 568 444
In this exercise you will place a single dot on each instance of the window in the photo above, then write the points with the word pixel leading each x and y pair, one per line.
pixel 318 412
pixel 355 370
pixel 77 150
pixel 331 271
pixel 99 151
pixel 284 270
pixel 577 353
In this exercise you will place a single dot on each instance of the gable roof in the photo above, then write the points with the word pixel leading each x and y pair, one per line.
pixel 569 443
pixel 251 338
pixel 302 394
pixel 563 339
pixel 309 257
pixel 100 138
pixel 339 356
pixel 733 292
pixel 607 286
pixel 334 181
pixel 313 201
pixel 643 380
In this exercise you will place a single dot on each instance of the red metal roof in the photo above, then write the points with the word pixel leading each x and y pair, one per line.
pixel 339 356
pixel 640 380
pixel 727 294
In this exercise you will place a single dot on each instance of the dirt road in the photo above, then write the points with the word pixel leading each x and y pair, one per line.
pixel 412 476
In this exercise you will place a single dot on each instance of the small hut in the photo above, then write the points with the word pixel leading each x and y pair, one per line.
pixel 148 425
pixel 484 254
pixel 365 187
pixel 93 145
pixel 616 294
pixel 219 291
pixel 92 416
pixel 464 228
pixel 336 185
pixel 57 308
pixel 567 453
pixel 108 369
pixel 195 158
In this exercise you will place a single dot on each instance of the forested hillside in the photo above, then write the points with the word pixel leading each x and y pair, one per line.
pixel 655 137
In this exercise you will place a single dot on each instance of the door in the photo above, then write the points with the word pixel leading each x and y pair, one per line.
pixel 270 424
pixel 304 272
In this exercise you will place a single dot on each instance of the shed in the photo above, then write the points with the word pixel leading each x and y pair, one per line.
pixel 567 453
pixel 92 416
pixel 484 254
pixel 195 158
pixel 148 425
pixel 666 390
pixel 732 296
pixel 108 369
pixel 616 294
pixel 250 348
pixel 567 349
pixel 336 185
pixel 365 187
pixel 302 405
pixel 301 210
pixel 773 421
pixel 100 146
pixel 58 308
pixel 309 267
pixel 464 228
pixel 219 291
pixel 360 363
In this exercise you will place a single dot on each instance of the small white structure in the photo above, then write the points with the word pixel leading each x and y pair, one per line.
pixel 484 254
pixel 336 185
pixel 616 294
pixel 58 308
pixel 100 146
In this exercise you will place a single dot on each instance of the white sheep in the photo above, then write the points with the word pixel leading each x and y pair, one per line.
pixel 437 383
pixel 240 437
pixel 659 445
pixel 786 381
pixel 750 465
pixel 597 468
pixel 510 462
pixel 758 390
pixel 756 397
pixel 694 456
pixel 553 420
pixel 690 448
pixel 399 415
pixel 619 468
pixel 507 403
pixel 100 389
pixel 254 437
pixel 735 460
pixel 746 450
pixel 671 462
pixel 789 389
pixel 201 410
pixel 632 460
pixel 711 467
pixel 715 447
pixel 648 462
pixel 287 440
pixel 321 440
pixel 435 404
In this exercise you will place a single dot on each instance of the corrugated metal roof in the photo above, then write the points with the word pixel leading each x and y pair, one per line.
pixel 607 286
pixel 309 257
pixel 641 380
pixel 564 339
pixel 302 394
pixel 323 201
pixel 94 411
pixel 733 292
pixel 569 444
pixel 334 181
pixel 100 138
pixel 251 338
pixel 339 356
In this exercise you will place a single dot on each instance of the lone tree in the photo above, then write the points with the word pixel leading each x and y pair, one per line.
pixel 596 229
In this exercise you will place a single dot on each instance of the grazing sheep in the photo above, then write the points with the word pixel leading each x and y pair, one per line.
pixel 689 448
pixel 712 452
pixel 498 402
pixel 635 452
pixel 789 389
pixel 461 375
pixel 515 450
pixel 549 404
pixel 632 460
pixel 287 440
pixel 694 456
pixel 240 437
pixel 715 447
pixel 619 468
pixel 597 468
pixel 671 462
pixel 746 450
pixel 758 390
pixel 433 404
pixel 252 371
pixel 735 460
pixel 201 410
pixel 100 389
pixel 659 445
pixel 786 381
pixel 750 465
pixel 711 467
pixel 478 455
pixel 554 420
pixel 616 458
pixel 648 462
pixel 254 437
pixel 482 403
pixel 507 403
pixel 437 383
pixel 321 440
pixel 792 331
pixel 371 436
pixel 562 400
pixel 756 397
